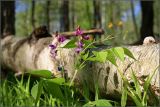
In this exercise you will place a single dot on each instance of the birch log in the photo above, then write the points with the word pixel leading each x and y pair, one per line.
pixel 21 56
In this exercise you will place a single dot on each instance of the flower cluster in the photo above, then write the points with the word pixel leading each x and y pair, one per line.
pixel 58 39
pixel 79 43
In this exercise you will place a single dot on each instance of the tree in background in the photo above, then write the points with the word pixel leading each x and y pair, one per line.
pixel 157 18
pixel 64 15
pixel 88 12
pixel 72 13
pixel 97 15
pixel 48 13
pixel 32 14
pixel 7 18
pixel 147 19
pixel 134 18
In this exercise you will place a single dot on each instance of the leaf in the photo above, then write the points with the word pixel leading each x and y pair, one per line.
pixel 41 73
pixel 147 82
pixel 137 85
pixel 86 93
pixel 58 81
pixel 128 53
pixel 100 102
pixel 146 86
pixel 135 99
pixel 34 91
pixel 85 56
pixel 119 52
pixel 70 44
pixel 96 91
pixel 100 56
pixel 124 96
pixel 88 44
pixel 111 57
pixel 39 92
pixel 103 103
pixel 53 87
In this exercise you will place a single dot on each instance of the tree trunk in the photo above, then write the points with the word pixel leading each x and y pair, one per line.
pixel 88 13
pixel 64 16
pixel 7 18
pixel 47 14
pixel 72 11
pixel 32 14
pixel 147 19
pixel 21 56
pixel 103 11
pixel 97 15
pixel 134 18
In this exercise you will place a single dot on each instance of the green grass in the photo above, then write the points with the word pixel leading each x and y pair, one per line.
pixel 29 91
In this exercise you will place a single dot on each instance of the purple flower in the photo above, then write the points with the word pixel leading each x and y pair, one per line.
pixel 53 53
pixel 86 37
pixel 61 38
pixel 80 44
pixel 78 31
pixel 78 50
pixel 52 46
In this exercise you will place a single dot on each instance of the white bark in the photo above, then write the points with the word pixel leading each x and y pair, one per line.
pixel 21 56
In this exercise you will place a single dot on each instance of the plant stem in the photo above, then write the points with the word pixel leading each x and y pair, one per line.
pixel 73 77
pixel 109 37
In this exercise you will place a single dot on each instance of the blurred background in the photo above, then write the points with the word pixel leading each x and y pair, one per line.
pixel 129 21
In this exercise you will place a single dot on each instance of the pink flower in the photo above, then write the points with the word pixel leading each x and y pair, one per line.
pixel 52 46
pixel 78 31
pixel 78 50
pixel 80 44
pixel 86 37
pixel 61 38
pixel 53 53
pixel 53 50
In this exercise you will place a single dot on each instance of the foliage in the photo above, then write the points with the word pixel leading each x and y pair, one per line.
pixel 139 93
pixel 50 91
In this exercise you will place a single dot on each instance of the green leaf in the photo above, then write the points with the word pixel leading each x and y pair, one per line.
pixel 103 103
pixel 86 93
pixel 96 91
pixel 40 89
pixel 70 44
pixel 135 99
pixel 111 57
pixel 88 44
pixel 52 86
pixel 124 96
pixel 85 56
pixel 137 85
pixel 147 82
pixel 91 58
pixel 58 81
pixel 146 86
pixel 34 91
pixel 128 53
pixel 41 73
pixel 100 102
pixel 119 52
pixel 100 56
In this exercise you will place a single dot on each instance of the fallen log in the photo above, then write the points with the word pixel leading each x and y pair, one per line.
pixel 88 32
pixel 19 55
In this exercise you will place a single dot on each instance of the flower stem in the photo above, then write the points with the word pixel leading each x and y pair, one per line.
pixel 73 77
